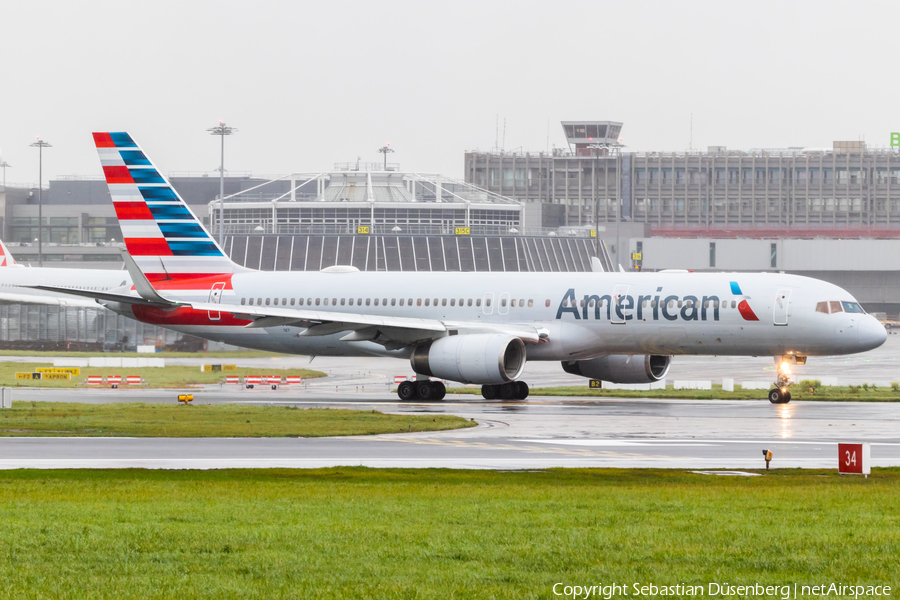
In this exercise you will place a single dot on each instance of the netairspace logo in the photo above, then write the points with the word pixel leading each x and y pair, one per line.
pixel 784 592
pixel 895 139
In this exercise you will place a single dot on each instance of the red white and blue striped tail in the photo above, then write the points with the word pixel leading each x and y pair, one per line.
pixel 165 238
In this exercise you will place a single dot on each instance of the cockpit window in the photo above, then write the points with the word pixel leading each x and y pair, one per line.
pixel 835 306
pixel 822 307
pixel 852 307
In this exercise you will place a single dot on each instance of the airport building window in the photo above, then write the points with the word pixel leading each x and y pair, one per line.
pixel 774 255
pixel 712 254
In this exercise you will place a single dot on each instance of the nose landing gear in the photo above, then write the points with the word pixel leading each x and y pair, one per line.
pixel 780 393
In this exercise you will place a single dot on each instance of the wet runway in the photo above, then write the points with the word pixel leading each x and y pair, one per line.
pixel 540 432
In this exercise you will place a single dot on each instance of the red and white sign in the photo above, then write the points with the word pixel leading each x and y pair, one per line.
pixel 854 458
pixel 252 379
pixel 232 379
pixel 95 379
pixel 133 380
pixel 400 378
pixel 293 379
pixel 271 379
pixel 114 379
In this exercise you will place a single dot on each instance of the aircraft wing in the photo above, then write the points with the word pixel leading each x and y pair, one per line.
pixel 7 298
pixel 393 331
pixel 362 326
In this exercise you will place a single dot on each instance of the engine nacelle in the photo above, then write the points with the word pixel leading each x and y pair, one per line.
pixel 477 358
pixel 622 368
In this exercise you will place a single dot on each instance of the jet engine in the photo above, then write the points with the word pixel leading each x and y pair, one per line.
pixel 487 358
pixel 621 368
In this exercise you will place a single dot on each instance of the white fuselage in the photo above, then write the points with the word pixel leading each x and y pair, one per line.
pixel 583 314
pixel 13 278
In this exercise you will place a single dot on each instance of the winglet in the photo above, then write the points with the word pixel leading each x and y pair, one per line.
pixel 142 285
pixel 596 265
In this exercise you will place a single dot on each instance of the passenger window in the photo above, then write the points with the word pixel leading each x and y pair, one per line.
pixel 679 304
pixel 325 301
pixel 835 306
pixel 376 301
pixel 733 304
pixel 393 302
pixel 427 301
pixel 452 301
pixel 275 301
pixel 487 301
pixel 401 301
pixel 359 301
pixel 292 301
pixel 267 301
pixel 503 302
pixel 418 302
pixel 435 301
pixel 547 304
pixel 469 302
pixel 368 301
pixel 259 301
pixel 444 302
pixel 334 301
pixel 243 301
pixel 343 300
pixel 530 303
pixel 284 301
pixel 478 302
pixel 384 301
pixel 408 302
pixel 822 307
pixel 308 302
pixel 351 301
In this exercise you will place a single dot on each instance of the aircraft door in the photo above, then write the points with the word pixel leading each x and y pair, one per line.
pixel 215 297
pixel 782 306
pixel 503 307
pixel 616 313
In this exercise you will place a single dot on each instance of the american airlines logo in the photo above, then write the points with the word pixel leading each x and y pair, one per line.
pixel 650 307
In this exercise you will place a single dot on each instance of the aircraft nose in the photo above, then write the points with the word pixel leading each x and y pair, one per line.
pixel 871 333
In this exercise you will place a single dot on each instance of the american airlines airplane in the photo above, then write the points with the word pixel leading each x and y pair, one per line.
pixel 13 276
pixel 477 328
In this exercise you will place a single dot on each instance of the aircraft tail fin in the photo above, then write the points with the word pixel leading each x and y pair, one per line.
pixel 161 233
pixel 6 258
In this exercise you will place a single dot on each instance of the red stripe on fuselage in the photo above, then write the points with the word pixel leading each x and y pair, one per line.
pixel 117 174
pixel 189 279
pixel 203 282
pixel 148 247
pixel 183 316
pixel 103 140
pixel 130 211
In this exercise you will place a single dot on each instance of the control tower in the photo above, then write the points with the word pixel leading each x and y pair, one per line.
pixel 592 138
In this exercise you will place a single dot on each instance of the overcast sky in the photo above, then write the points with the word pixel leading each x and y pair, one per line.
pixel 310 84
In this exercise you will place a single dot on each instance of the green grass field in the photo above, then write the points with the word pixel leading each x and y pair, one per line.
pixel 174 376
pixel 207 420
pixel 832 393
pixel 359 533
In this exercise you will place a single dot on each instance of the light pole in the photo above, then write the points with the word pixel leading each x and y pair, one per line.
pixel 40 145
pixel 222 130
pixel 384 150
pixel 4 164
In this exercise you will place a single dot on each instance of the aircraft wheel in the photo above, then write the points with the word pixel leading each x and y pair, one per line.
pixel 406 390
pixel 424 390
pixel 439 391
pixel 776 396
pixel 489 392
pixel 509 390
pixel 787 398
pixel 522 390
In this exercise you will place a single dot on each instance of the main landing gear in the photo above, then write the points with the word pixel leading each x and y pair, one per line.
pixel 780 393
pixel 511 390
pixel 421 390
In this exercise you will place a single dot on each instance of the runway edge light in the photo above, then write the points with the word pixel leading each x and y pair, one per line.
pixel 854 459
pixel 767 454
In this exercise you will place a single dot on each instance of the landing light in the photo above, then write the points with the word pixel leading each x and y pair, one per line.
pixel 786 367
